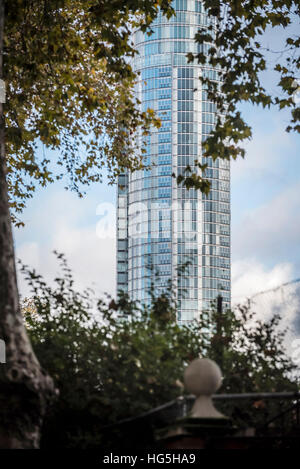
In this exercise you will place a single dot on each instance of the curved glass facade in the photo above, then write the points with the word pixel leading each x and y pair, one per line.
pixel 160 224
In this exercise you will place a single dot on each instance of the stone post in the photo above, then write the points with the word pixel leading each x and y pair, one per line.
pixel 202 378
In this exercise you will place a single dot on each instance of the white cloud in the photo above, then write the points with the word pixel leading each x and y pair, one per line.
pixel 266 228
pixel 250 277
pixel 271 231
pixel 62 225
pixel 271 291
pixel 264 153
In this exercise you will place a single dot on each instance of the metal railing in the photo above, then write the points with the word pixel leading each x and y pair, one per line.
pixel 180 407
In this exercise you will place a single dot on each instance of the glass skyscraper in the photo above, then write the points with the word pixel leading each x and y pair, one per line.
pixel 160 224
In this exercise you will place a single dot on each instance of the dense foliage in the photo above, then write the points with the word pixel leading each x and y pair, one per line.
pixel 113 360
pixel 70 89
pixel 70 84
pixel 233 44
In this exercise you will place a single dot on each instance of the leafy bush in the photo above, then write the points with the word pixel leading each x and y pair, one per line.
pixel 113 360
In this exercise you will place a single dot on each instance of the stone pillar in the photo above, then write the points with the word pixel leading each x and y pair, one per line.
pixel 202 378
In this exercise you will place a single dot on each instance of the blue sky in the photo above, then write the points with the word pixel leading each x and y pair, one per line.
pixel 265 206
pixel 265 214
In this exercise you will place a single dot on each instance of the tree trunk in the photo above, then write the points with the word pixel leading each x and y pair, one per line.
pixel 24 388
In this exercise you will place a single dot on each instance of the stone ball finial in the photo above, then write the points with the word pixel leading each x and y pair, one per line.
pixel 203 378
